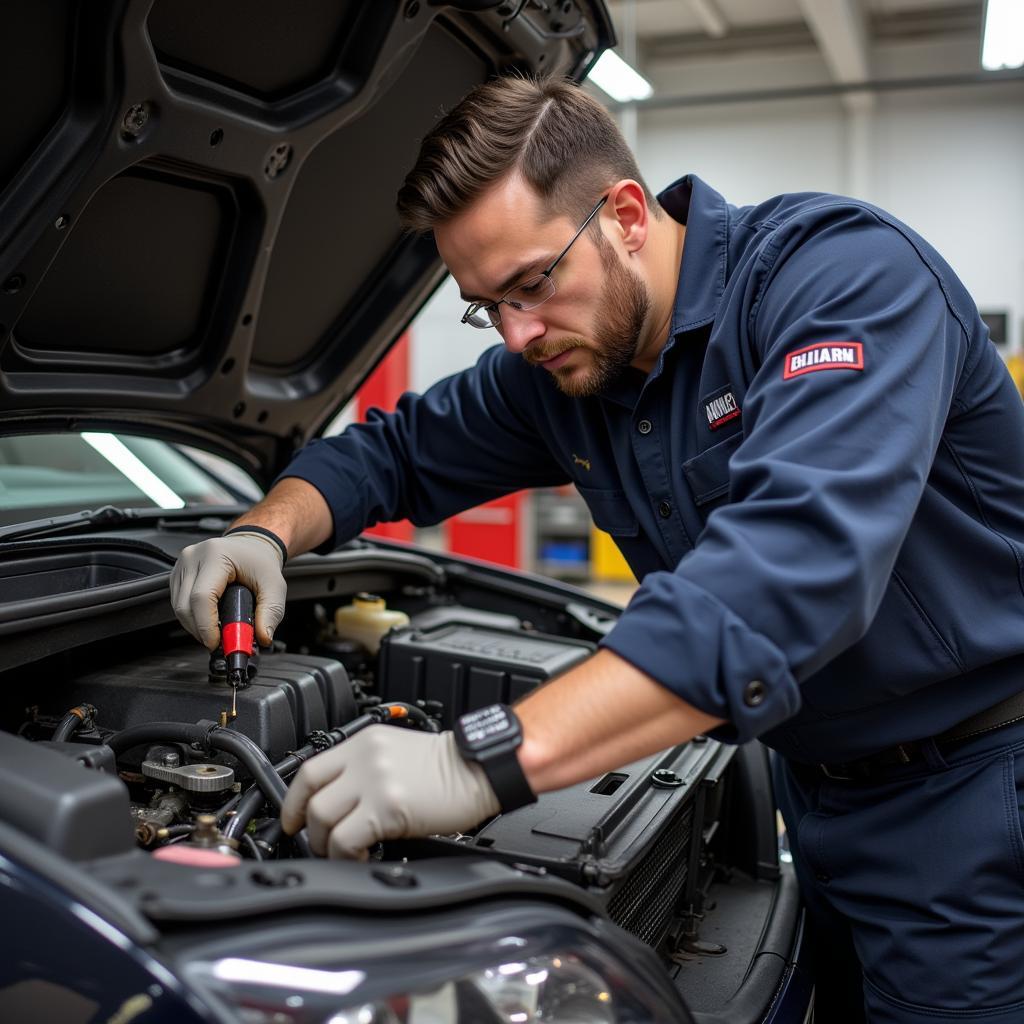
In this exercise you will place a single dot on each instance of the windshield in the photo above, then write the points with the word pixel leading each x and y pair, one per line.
pixel 53 474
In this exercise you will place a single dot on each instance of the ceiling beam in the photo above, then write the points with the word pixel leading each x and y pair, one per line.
pixel 841 32
pixel 986 79
pixel 960 21
pixel 711 18
pixel 696 46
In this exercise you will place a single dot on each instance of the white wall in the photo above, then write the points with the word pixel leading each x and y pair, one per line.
pixel 954 170
pixel 747 153
pixel 948 161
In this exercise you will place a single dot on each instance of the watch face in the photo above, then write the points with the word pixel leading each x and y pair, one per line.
pixel 488 723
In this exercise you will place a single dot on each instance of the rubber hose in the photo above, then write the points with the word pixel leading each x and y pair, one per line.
pixel 247 807
pixel 249 804
pixel 294 761
pixel 255 761
pixel 415 714
pixel 250 845
pixel 72 722
pixel 297 758
pixel 156 732
pixel 273 832
pixel 259 765
pixel 229 806
pixel 69 725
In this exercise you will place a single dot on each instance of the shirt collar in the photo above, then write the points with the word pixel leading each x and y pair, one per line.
pixel 702 274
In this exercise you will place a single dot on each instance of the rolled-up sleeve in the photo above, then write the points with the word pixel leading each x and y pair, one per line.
pixel 468 439
pixel 859 355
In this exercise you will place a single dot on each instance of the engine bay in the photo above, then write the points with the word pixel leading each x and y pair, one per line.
pixel 191 748
pixel 180 767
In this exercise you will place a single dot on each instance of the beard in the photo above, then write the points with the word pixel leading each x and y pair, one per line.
pixel 616 338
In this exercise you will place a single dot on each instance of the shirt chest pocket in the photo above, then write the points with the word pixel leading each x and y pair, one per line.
pixel 708 474
pixel 611 511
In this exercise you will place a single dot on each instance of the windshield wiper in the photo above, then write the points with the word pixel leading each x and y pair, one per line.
pixel 108 516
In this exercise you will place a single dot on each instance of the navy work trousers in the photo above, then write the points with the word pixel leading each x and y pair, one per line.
pixel 914 884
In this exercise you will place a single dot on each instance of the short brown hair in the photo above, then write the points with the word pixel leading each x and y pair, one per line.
pixel 562 141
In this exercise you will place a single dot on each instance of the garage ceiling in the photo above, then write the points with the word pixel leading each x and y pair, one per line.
pixel 671 28
pixel 664 37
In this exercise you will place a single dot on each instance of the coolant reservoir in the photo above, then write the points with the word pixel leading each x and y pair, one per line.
pixel 366 620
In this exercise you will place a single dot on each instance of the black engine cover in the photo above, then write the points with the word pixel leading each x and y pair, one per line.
pixel 633 836
pixel 292 695
pixel 465 666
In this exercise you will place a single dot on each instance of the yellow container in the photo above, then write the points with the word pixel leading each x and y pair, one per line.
pixel 366 620
pixel 606 560
pixel 1016 366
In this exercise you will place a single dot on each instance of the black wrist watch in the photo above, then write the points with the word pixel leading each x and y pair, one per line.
pixel 491 737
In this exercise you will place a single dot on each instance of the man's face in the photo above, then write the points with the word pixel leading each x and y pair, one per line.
pixel 588 332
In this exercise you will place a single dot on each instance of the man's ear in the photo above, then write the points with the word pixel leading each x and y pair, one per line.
pixel 630 214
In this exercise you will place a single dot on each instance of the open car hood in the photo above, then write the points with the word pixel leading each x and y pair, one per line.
pixel 198 235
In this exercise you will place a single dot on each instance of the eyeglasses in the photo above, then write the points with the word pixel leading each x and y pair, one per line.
pixel 528 295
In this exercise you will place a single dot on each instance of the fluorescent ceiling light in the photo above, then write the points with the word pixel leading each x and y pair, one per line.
pixel 1003 38
pixel 612 74
pixel 124 461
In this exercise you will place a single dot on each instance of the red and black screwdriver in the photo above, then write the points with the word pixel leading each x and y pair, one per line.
pixel 237 634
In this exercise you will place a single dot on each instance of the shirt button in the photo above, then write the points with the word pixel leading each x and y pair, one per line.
pixel 644 426
pixel 754 693
pixel 664 509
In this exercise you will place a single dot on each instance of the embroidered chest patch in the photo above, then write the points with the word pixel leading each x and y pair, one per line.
pixel 721 408
pixel 826 355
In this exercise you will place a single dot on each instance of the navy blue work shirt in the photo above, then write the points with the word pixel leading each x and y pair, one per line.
pixel 820 484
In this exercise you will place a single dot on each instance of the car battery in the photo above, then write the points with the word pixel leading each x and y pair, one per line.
pixel 464 667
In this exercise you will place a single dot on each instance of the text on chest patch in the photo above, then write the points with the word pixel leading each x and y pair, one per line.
pixel 825 355
pixel 721 409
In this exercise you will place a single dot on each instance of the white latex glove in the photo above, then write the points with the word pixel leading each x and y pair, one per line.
pixel 204 570
pixel 386 783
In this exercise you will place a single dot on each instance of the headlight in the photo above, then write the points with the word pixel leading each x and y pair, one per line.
pixel 561 975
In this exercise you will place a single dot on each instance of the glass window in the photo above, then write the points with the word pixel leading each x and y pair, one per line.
pixel 53 474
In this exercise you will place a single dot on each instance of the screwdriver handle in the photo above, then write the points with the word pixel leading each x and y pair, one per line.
pixel 237 620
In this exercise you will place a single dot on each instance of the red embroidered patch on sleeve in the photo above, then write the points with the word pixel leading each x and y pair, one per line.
pixel 825 355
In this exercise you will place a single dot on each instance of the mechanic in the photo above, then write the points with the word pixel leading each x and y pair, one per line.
pixel 792 421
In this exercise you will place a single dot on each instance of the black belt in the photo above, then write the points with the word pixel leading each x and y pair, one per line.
pixel 1006 712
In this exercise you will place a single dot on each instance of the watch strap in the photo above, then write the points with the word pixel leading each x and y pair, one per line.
pixel 491 737
pixel 508 781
